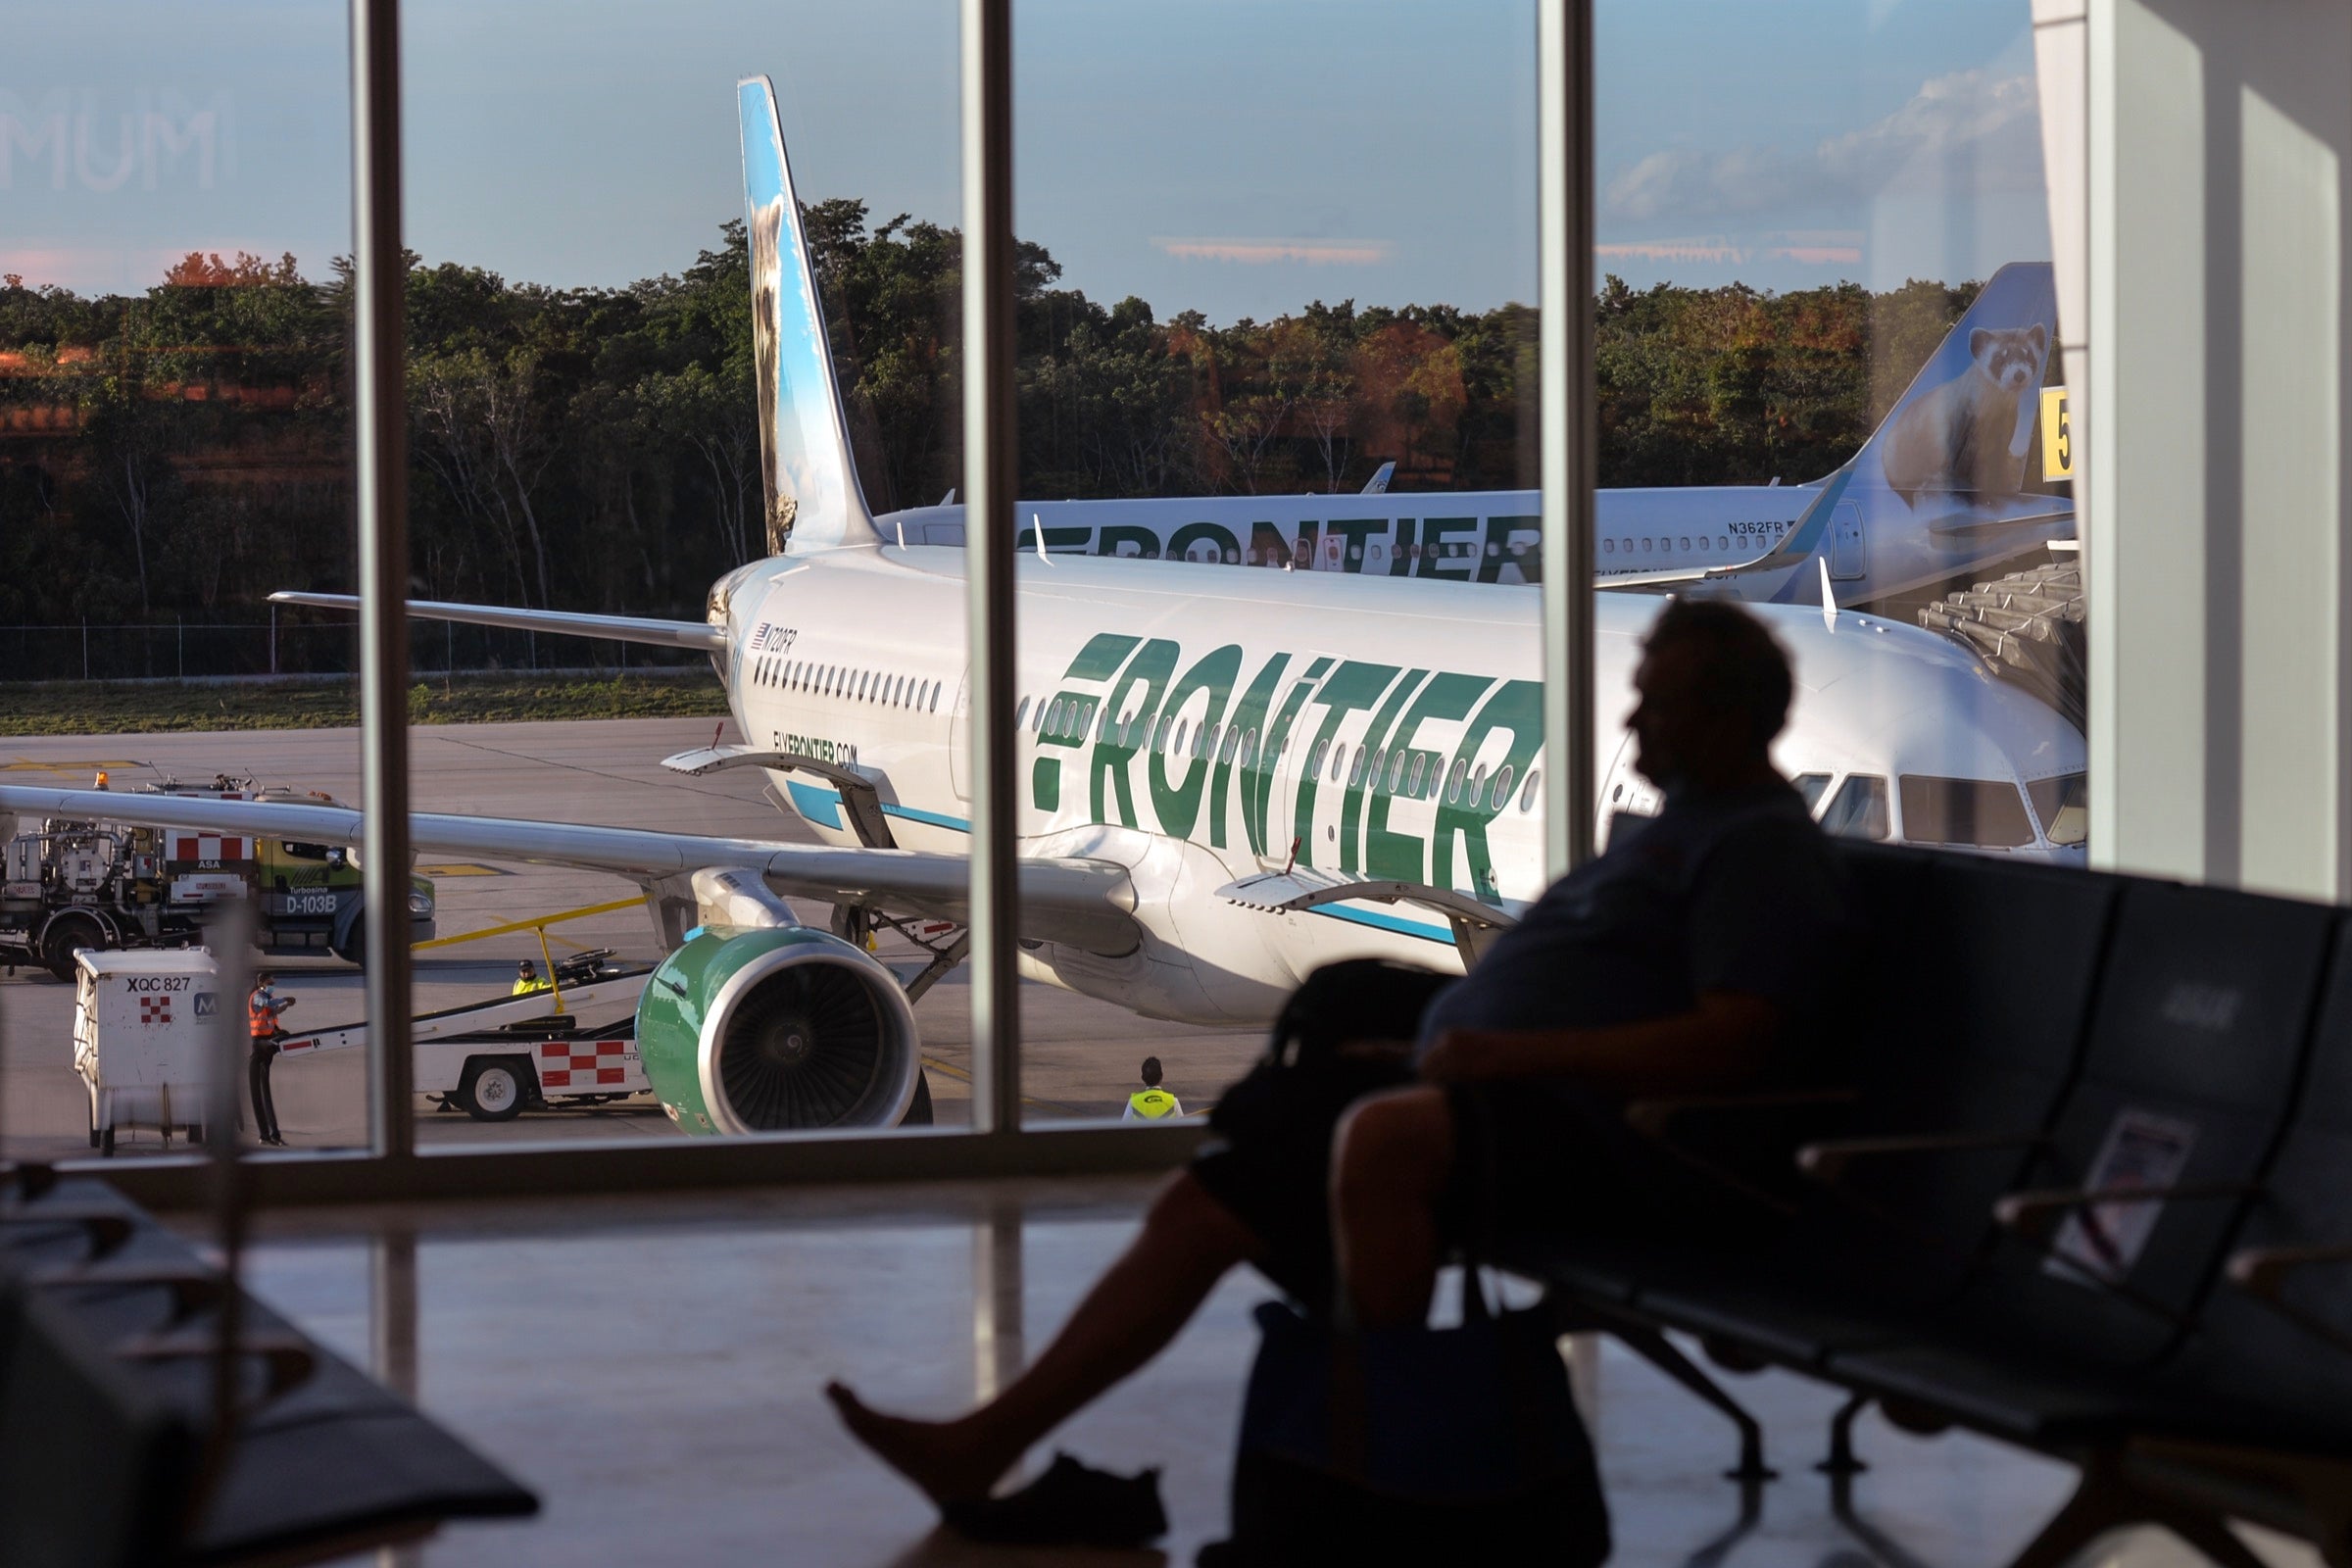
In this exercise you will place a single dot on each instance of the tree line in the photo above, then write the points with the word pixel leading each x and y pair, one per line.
pixel 187 450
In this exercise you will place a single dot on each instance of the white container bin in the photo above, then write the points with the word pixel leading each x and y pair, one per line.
pixel 143 1032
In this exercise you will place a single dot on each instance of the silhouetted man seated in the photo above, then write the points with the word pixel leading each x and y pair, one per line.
pixel 1694 957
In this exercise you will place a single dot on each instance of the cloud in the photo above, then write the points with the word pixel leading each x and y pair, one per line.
pixel 1807 249
pixel 1960 135
pixel 1265 252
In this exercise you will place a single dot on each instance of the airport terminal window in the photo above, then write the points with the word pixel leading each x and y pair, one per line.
pixel 2064 805
pixel 1859 809
pixel 1980 812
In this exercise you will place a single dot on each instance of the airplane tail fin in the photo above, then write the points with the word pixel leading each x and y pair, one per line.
pixel 809 478
pixel 1966 422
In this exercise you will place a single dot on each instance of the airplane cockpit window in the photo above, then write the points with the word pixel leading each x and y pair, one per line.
pixel 1858 811
pixel 2064 805
pixel 1812 786
pixel 1980 812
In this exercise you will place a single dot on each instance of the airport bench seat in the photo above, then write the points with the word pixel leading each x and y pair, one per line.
pixel 320 1460
pixel 2025 1037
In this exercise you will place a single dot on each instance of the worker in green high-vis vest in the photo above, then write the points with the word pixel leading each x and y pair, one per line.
pixel 1151 1103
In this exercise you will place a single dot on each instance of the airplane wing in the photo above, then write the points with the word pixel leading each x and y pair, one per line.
pixel 1085 903
pixel 698 635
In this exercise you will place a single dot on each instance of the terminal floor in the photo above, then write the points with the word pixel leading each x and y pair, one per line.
pixel 652 1367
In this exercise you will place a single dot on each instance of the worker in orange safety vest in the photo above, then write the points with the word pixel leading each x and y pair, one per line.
pixel 261 1029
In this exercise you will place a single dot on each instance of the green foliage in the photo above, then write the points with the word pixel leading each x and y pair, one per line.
pixel 188 449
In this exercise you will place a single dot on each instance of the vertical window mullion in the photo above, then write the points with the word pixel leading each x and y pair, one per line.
pixel 989 465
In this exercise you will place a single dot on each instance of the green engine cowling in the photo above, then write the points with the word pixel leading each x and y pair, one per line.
pixel 777 1029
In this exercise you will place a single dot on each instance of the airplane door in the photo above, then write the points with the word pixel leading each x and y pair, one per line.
pixel 960 739
pixel 1624 794
pixel 1849 556
pixel 1290 767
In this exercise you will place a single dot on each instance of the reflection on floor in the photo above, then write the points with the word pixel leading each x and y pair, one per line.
pixel 652 1366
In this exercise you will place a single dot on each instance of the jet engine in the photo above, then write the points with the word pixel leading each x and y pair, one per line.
pixel 777 1029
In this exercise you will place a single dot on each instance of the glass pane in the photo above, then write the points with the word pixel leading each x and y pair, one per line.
pixel 664 353
pixel 1276 432
pixel 1829 387
pixel 1982 814
pixel 174 443
pixel 1858 811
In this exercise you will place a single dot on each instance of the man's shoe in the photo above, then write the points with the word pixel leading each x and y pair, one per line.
pixel 1069 1506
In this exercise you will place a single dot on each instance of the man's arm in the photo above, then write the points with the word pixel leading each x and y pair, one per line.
pixel 1722 1044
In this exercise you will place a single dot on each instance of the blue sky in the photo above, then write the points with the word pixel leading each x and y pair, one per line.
pixel 1239 157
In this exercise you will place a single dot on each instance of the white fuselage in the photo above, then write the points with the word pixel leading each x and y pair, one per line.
pixel 1197 728
pixel 1729 540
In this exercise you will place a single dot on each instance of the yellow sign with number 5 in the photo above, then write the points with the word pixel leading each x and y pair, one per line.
pixel 2057 435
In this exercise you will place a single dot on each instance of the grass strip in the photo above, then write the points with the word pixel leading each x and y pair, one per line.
pixel 107 707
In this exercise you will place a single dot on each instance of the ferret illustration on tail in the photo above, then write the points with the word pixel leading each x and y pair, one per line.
pixel 1972 434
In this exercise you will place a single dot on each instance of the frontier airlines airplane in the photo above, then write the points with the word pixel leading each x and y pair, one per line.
pixel 1949 487
pixel 1228 777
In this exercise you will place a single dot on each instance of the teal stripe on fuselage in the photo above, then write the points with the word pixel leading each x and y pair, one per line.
pixel 1387 922
pixel 822 806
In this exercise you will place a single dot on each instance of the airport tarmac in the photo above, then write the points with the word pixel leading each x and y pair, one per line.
pixel 1079 1059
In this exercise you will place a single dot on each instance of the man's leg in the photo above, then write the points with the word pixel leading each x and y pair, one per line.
pixel 1188 1242
pixel 266 1105
pixel 1388 1170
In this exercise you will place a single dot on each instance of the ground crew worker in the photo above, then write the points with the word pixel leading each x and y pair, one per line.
pixel 527 979
pixel 261 1026
pixel 1151 1103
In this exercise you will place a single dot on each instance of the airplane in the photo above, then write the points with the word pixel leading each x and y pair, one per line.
pixel 1226 779
pixel 1947 488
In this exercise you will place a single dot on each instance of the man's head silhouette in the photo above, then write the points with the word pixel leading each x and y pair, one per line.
pixel 1150 1072
pixel 1714 689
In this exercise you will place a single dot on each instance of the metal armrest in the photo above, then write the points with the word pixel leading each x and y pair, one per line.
pixel 1827 1161
pixel 2261 1271
pixel 1653 1117
pixel 193 1289
pixel 107 1229
pixel 2034 1214
pixel 288 1358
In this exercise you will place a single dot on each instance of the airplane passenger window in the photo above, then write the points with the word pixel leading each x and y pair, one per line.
pixel 1980 812
pixel 1249 748
pixel 1528 791
pixel 1608 547
pixel 1020 714
pixel 2064 804
pixel 1356 768
pixel 1723 543
pixel 1503 788
pixel 1685 544
pixel 1645 545
pixel 1231 743
pixel 1478 784
pixel 1395 769
pixel 1314 759
pixel 935 690
pixel 1453 781
pixel 1053 722
pixel 1811 786
pixel 1858 811
pixel 1176 746
pixel 1413 785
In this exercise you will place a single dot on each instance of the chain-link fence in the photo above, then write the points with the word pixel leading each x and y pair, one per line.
pixel 272 642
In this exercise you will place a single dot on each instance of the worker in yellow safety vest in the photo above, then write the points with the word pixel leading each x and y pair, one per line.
pixel 1151 1103
pixel 527 979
